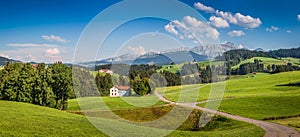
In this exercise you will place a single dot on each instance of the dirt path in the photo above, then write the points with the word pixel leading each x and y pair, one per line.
pixel 272 129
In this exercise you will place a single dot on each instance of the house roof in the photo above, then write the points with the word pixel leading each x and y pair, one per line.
pixel 122 87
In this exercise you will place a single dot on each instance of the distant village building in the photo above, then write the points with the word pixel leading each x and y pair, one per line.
pixel 120 91
pixel 34 65
pixel 107 71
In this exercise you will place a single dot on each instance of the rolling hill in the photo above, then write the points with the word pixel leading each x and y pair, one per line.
pixel 177 56
pixel 270 61
pixel 4 60
pixel 20 119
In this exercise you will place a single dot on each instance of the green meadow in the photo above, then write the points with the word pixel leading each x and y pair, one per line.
pixel 92 103
pixel 239 87
pixel 270 61
pixel 293 122
pixel 171 68
pixel 261 96
pixel 21 119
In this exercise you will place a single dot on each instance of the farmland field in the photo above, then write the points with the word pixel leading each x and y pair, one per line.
pixel 20 119
pixel 92 103
pixel 260 96
pixel 270 61
pixel 242 86
pixel 171 68
pixel 292 122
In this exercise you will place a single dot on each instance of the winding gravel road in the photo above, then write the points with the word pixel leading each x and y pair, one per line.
pixel 272 129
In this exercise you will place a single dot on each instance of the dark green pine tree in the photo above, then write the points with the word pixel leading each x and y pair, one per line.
pixel 104 83
pixel 141 86
pixel 25 84
pixel 61 84
pixel 9 79
pixel 42 93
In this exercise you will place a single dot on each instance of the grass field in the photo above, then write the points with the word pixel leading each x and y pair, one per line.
pixel 171 68
pixel 241 87
pixel 263 107
pixel 270 61
pixel 176 68
pixel 291 122
pixel 20 119
pixel 211 62
pixel 292 60
pixel 260 97
pixel 108 103
pixel 254 96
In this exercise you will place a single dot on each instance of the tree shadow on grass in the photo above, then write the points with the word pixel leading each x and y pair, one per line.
pixel 291 84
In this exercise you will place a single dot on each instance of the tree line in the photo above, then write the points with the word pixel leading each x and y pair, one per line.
pixel 46 86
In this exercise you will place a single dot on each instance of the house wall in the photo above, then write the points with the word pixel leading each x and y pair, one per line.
pixel 124 93
pixel 114 92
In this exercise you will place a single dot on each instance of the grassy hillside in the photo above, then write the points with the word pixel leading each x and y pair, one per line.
pixel 92 103
pixel 263 107
pixel 20 119
pixel 255 96
pixel 270 61
pixel 261 97
pixel 171 68
pixel 176 68
pixel 292 122
pixel 241 87
pixel 219 126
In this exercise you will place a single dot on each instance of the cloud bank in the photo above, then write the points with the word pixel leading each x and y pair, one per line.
pixel 191 28
pixel 54 38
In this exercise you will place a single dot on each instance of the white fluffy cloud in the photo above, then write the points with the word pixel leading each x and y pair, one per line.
pixel 247 21
pixel 288 31
pixel 53 55
pixel 138 50
pixel 237 19
pixel 4 55
pixel 29 45
pixel 298 17
pixel 227 16
pixel 53 51
pixel 240 19
pixel 218 22
pixel 272 28
pixel 40 54
pixel 30 57
pixel 191 28
pixel 55 39
pixel 202 7
pixel 236 33
pixel 171 29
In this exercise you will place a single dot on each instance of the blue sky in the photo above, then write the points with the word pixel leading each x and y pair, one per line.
pixel 48 30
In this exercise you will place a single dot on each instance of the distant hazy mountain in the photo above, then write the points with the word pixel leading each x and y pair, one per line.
pixel 4 60
pixel 151 58
pixel 199 53
pixel 260 49
pixel 215 50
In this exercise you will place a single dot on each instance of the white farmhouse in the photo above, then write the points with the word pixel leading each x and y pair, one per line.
pixel 107 71
pixel 120 91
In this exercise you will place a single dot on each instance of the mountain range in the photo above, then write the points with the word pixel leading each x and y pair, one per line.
pixel 198 53
pixel 4 60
